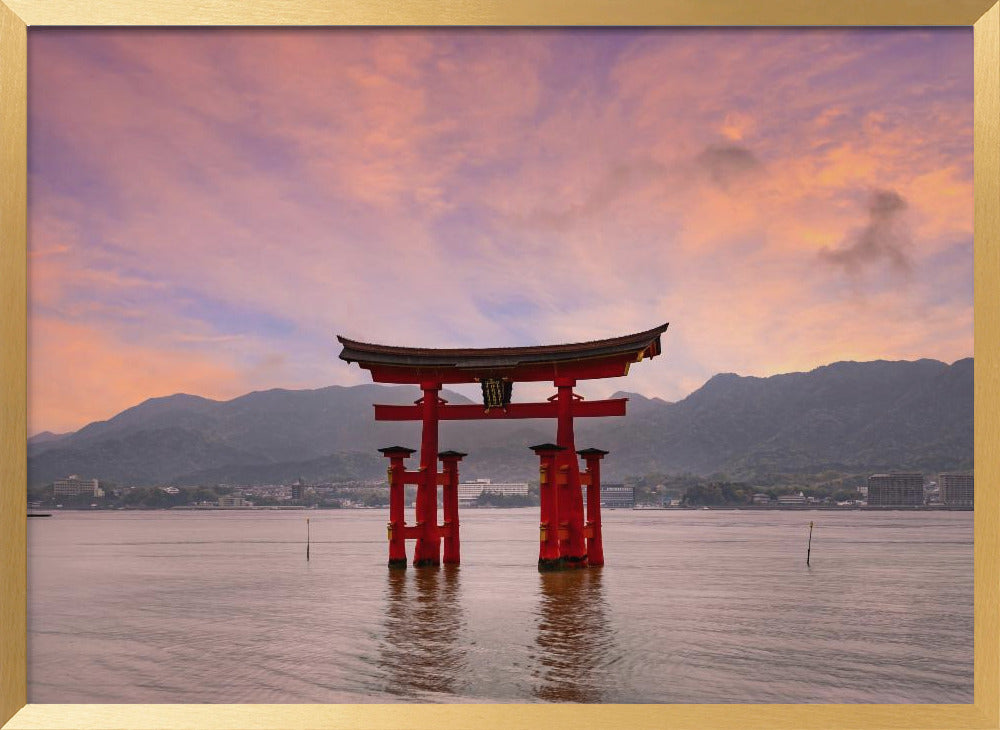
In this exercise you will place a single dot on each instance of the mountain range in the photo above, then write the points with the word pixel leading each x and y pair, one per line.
pixel 846 416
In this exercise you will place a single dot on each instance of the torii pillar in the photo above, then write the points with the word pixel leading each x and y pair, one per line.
pixel 397 520
pixel 595 544
pixel 549 554
pixel 428 549
pixel 449 499
pixel 572 548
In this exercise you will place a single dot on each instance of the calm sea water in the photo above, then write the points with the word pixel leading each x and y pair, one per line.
pixel 692 606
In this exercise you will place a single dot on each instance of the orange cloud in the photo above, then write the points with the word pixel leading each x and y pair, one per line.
pixel 234 199
pixel 78 373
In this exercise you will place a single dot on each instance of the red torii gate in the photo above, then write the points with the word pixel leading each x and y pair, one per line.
pixel 566 539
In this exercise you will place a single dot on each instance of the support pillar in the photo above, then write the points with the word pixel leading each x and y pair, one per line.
pixel 573 547
pixel 549 555
pixel 397 521
pixel 428 549
pixel 595 545
pixel 452 544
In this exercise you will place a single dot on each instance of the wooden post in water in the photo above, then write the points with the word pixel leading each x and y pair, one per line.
pixel 595 546
pixel 428 549
pixel 307 539
pixel 449 498
pixel 549 556
pixel 810 547
pixel 397 476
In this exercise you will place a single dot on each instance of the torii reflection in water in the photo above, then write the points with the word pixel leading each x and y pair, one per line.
pixel 421 649
pixel 576 644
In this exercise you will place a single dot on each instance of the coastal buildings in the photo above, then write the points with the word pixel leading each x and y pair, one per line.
pixel 896 489
pixel 73 486
pixel 956 490
pixel 791 499
pixel 233 500
pixel 616 496
pixel 468 492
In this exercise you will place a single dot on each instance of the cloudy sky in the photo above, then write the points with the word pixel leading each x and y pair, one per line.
pixel 209 208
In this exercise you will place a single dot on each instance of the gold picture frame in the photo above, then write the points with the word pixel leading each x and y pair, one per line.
pixel 16 16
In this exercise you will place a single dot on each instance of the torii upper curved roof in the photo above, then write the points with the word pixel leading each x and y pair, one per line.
pixel 597 358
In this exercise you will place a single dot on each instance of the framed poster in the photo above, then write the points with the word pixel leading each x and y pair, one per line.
pixel 730 163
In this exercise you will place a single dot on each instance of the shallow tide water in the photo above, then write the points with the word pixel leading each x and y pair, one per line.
pixel 692 607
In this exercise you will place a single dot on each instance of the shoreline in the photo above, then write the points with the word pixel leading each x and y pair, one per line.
pixel 713 508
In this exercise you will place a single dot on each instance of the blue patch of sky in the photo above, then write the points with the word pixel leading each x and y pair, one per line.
pixel 92 47
pixel 227 318
pixel 582 62
pixel 267 154
pixel 56 163
pixel 512 308
pixel 948 274
pixel 924 61
pixel 220 317
pixel 589 55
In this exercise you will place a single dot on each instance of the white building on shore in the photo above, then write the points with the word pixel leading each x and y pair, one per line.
pixel 233 500
pixel 73 486
pixel 468 492
pixel 897 488
pixel 786 499
pixel 957 490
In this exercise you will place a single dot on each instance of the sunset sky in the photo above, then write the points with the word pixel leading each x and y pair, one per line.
pixel 209 208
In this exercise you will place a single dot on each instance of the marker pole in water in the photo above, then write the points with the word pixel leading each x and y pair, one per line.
pixel 307 540
pixel 809 549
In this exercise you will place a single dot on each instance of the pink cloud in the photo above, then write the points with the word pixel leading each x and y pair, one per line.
pixel 236 196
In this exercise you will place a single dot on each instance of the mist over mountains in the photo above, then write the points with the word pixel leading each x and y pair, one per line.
pixel 845 416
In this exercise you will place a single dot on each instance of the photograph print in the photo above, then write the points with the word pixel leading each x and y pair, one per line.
pixel 582 365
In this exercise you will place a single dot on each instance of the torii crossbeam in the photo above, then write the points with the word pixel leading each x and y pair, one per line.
pixel 566 540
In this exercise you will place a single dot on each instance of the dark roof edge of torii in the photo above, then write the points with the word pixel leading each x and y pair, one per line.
pixel 640 344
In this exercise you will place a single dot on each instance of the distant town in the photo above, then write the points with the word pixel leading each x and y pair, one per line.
pixel 894 490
